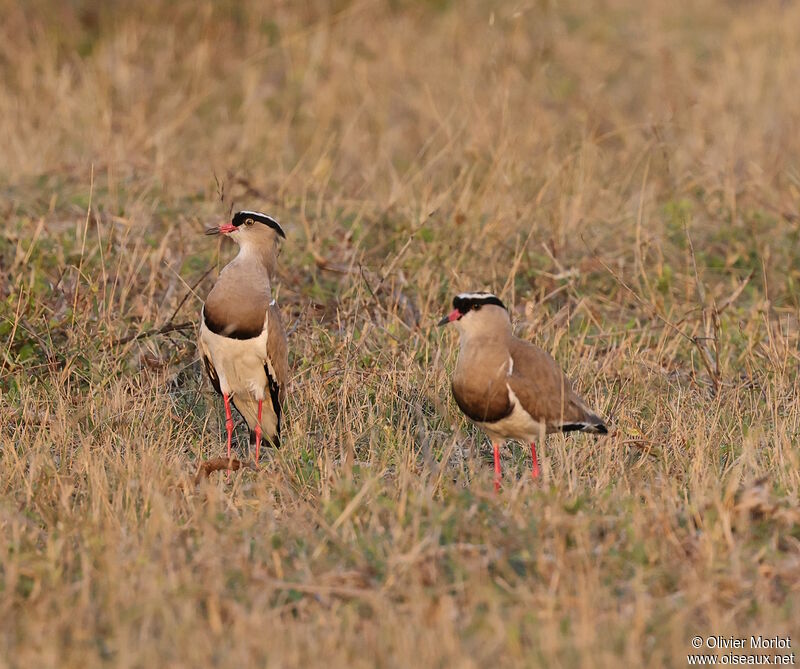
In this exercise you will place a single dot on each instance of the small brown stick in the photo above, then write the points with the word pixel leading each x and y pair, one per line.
pixel 644 445
pixel 217 464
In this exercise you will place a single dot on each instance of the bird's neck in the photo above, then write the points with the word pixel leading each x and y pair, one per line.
pixel 499 335
pixel 250 254
pixel 494 341
pixel 482 358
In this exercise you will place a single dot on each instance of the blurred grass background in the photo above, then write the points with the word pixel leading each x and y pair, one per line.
pixel 624 174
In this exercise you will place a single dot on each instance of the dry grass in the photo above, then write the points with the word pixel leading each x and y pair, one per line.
pixel 615 171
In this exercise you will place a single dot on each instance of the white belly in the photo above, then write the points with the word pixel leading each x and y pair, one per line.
pixel 518 425
pixel 238 363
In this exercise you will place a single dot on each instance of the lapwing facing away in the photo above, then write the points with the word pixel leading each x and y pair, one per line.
pixel 508 387
pixel 242 340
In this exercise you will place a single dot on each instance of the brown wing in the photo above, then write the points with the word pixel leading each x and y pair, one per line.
pixel 545 392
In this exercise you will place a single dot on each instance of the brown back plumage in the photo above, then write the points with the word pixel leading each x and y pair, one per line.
pixel 544 391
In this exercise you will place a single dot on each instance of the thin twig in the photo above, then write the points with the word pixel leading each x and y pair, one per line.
pixel 189 292
pixel 169 327
pixel 736 293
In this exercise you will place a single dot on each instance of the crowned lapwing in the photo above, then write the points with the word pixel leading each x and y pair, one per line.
pixel 508 387
pixel 242 340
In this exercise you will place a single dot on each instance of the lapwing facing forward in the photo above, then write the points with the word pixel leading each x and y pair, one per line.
pixel 508 387
pixel 242 340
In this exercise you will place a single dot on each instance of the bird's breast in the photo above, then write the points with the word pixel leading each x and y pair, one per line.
pixel 482 402
pixel 238 363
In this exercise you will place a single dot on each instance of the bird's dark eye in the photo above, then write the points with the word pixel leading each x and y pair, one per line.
pixel 249 221
pixel 475 307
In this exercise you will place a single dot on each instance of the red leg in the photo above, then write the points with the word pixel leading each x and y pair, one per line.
pixel 535 465
pixel 497 472
pixel 258 431
pixel 228 423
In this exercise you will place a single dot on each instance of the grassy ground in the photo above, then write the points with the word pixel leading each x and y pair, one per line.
pixel 625 174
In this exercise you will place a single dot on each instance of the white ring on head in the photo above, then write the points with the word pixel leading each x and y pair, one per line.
pixel 475 296
pixel 247 212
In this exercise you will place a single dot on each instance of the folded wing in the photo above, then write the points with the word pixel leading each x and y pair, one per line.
pixel 546 394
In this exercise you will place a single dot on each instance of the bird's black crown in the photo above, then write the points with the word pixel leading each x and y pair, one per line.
pixel 241 218
pixel 468 301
